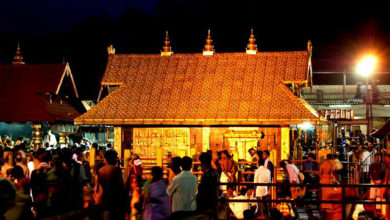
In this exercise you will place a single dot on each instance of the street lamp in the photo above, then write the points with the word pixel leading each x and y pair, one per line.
pixel 365 68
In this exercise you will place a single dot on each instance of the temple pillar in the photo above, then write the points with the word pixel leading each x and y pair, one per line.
pixel 118 141
pixel 285 143
pixel 36 136
pixel 92 155
pixel 284 149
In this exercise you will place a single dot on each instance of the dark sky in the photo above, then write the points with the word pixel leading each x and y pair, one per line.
pixel 43 16
pixel 80 30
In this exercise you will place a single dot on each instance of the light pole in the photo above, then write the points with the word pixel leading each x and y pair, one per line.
pixel 365 68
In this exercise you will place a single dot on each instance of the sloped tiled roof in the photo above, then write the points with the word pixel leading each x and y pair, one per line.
pixel 383 131
pixel 24 90
pixel 285 66
pixel 192 89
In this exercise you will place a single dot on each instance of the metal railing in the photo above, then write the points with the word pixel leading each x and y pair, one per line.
pixel 343 200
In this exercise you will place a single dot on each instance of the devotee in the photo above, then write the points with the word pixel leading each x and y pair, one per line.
pixel 262 175
pixel 215 163
pixel 174 168
pixel 157 205
pixel 377 172
pixel 365 163
pixel 19 141
pixel 19 162
pixel 9 144
pixel 308 164
pixel 8 163
pixel 50 138
pixel 238 208
pixel 228 169
pixel 208 188
pixel 38 183
pixel 329 210
pixel 111 181
pixel 183 188
pixel 267 163
pixel 58 181
pixel 254 157
pixel 7 196
pixel 253 166
pixel 20 180
pixel 292 174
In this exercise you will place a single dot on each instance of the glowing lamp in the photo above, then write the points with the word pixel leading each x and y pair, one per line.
pixel 366 66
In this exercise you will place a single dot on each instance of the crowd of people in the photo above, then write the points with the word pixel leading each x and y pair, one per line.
pixel 52 181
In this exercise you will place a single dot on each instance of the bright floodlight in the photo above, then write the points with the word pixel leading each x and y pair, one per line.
pixel 366 66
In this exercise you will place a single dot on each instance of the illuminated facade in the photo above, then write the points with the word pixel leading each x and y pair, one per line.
pixel 184 104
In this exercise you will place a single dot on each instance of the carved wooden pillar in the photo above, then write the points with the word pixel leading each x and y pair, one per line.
pixel 118 141
pixel 36 136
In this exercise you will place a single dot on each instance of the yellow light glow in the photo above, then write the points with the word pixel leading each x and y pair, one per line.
pixel 285 145
pixel 305 125
pixel 208 53
pixel 366 66
pixel 206 139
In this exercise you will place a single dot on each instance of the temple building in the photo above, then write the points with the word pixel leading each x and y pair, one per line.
pixel 43 96
pixel 173 104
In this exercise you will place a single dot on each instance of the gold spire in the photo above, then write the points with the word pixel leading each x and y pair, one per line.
pixel 208 47
pixel 18 58
pixel 110 50
pixel 309 47
pixel 167 50
pixel 252 47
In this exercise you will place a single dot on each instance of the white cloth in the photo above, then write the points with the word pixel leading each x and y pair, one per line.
pixel 238 208
pixel 262 175
pixel 31 168
pixel 183 189
pixel 223 179
pixel 366 161
pixel 292 171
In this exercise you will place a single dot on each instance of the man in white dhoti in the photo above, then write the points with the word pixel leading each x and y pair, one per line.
pixel 228 169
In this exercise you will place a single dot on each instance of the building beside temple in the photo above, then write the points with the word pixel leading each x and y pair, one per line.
pixel 182 104
pixel 37 95
pixel 338 92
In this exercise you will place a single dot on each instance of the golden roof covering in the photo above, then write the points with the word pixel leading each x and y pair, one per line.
pixel 192 89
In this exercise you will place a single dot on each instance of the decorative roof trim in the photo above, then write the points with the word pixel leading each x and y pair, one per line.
pixel 67 72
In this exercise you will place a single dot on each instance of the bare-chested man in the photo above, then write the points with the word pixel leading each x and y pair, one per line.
pixel 228 169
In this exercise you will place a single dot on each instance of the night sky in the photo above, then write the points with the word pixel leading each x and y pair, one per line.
pixel 79 31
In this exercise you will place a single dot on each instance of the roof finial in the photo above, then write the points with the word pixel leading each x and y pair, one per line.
pixel 18 58
pixel 208 47
pixel 110 50
pixel 309 47
pixel 167 50
pixel 252 47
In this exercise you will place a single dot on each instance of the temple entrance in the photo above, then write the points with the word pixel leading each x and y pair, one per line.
pixel 240 139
